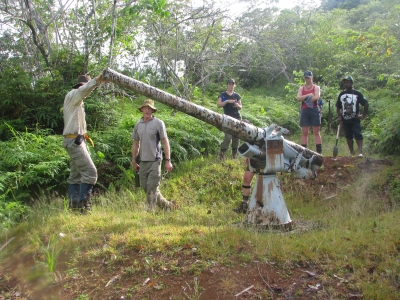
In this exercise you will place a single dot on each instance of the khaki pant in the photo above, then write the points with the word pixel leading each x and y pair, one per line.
pixel 227 140
pixel 82 168
pixel 150 177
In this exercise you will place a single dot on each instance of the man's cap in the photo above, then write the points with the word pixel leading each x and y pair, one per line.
pixel 348 77
pixel 308 74
pixel 149 103
pixel 230 80
pixel 82 79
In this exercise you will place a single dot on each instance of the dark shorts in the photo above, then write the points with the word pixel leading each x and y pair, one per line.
pixel 310 117
pixel 352 129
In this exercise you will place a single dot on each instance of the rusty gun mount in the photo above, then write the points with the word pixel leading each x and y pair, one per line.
pixel 269 152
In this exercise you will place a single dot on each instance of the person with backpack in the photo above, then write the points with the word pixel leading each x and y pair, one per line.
pixel 348 112
pixel 308 95
pixel 232 104
pixel 148 135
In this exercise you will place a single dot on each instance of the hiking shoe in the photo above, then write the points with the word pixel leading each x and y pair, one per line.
pixel 242 208
pixel 86 207
pixel 221 155
pixel 360 155
pixel 234 153
pixel 171 206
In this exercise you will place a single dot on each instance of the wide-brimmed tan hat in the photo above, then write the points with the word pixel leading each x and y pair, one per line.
pixel 149 103
pixel 82 79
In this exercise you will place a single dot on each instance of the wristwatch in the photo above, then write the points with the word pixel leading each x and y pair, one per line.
pixel 167 159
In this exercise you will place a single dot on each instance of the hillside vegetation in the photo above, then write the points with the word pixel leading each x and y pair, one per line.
pixel 345 240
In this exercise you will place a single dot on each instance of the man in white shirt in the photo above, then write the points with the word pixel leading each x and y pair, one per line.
pixel 83 173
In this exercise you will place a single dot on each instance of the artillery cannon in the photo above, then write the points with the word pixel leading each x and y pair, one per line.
pixel 269 152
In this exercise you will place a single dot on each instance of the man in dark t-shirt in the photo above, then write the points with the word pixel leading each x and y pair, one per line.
pixel 348 111
pixel 231 102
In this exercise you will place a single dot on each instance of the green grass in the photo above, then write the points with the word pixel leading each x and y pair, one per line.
pixel 354 235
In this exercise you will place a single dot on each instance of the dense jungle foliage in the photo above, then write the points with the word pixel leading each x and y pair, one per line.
pixel 187 50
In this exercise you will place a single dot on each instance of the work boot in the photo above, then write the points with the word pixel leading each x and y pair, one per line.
pixel 171 206
pixel 319 148
pixel 73 196
pixel 221 155
pixel 242 209
pixel 164 203
pixel 85 196
pixel 234 153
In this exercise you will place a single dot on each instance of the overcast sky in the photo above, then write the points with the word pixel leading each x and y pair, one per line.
pixel 291 3
pixel 239 7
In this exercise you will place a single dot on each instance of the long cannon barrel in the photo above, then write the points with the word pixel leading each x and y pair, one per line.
pixel 244 131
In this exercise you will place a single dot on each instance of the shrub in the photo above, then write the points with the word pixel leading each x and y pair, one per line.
pixel 32 163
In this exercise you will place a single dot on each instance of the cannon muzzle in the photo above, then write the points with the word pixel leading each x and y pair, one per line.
pixel 251 152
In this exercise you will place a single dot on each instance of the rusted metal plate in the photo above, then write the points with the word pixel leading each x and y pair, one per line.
pixel 274 147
